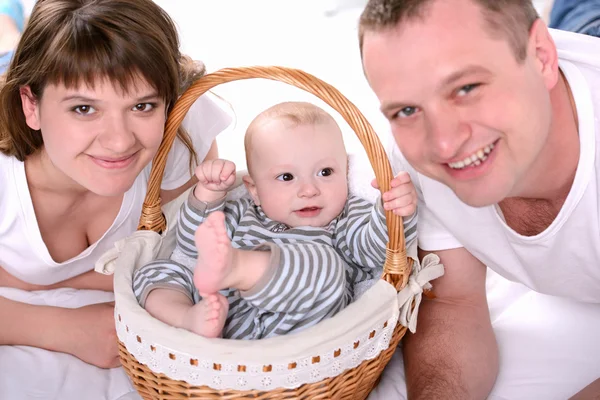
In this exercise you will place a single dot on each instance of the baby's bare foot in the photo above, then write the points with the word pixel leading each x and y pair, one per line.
pixel 215 255
pixel 207 318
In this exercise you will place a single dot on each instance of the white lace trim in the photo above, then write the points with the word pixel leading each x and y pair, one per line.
pixel 246 376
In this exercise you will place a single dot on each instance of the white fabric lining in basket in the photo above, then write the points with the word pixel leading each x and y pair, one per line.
pixel 359 332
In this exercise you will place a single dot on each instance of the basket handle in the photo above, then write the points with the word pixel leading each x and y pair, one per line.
pixel 397 266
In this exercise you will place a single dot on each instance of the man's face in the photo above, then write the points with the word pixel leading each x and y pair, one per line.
pixel 463 110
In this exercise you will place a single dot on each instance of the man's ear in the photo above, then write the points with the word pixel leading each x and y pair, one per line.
pixel 30 107
pixel 251 186
pixel 542 47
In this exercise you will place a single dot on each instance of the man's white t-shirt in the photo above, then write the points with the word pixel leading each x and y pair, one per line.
pixel 563 260
pixel 23 252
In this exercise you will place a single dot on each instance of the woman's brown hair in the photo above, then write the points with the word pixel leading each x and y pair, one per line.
pixel 71 42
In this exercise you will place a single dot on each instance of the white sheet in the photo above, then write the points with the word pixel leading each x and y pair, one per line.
pixel 31 373
pixel 549 349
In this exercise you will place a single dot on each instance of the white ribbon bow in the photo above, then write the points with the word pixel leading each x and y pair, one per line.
pixel 420 277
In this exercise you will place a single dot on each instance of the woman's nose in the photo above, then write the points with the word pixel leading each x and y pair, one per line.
pixel 117 136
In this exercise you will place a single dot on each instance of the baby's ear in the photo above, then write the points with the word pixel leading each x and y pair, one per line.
pixel 251 186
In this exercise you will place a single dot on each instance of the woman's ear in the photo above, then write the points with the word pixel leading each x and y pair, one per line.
pixel 251 186
pixel 31 108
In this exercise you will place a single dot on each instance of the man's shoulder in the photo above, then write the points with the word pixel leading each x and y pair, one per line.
pixel 577 48
pixel 565 40
pixel 399 163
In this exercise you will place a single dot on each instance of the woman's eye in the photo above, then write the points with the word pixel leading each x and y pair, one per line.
pixel 84 110
pixel 285 177
pixel 406 112
pixel 463 91
pixel 325 172
pixel 144 107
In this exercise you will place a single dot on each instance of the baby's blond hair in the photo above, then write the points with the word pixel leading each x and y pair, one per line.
pixel 292 113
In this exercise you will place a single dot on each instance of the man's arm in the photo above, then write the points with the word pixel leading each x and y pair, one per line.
pixel 453 354
pixel 590 392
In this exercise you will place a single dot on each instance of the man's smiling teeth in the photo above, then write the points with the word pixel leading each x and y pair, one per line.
pixel 476 158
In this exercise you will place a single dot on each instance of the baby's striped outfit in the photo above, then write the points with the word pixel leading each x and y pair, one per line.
pixel 312 270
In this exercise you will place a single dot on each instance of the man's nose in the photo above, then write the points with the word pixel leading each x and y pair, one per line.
pixel 446 133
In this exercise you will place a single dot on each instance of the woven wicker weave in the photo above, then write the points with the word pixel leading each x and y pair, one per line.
pixel 351 384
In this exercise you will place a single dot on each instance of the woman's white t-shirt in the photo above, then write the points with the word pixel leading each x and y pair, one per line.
pixel 23 252
pixel 564 259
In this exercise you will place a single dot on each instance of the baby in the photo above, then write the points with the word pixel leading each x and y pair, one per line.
pixel 288 256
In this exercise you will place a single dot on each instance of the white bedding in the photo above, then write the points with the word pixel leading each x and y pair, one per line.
pixel 31 373
pixel 549 349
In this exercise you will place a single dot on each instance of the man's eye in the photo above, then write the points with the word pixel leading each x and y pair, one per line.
pixel 84 110
pixel 285 177
pixel 406 112
pixel 144 107
pixel 463 91
pixel 325 172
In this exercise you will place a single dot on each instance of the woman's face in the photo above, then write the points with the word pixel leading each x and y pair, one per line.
pixel 99 137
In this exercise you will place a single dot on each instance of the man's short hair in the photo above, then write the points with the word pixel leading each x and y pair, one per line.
pixel 511 19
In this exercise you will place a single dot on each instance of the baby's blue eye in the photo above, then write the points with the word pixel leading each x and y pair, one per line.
pixel 325 172
pixel 285 177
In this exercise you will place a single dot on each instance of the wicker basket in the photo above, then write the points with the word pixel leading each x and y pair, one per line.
pixel 355 383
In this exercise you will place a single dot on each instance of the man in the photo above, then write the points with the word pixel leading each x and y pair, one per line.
pixel 501 131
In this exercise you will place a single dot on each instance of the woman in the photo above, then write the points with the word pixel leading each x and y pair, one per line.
pixel 82 113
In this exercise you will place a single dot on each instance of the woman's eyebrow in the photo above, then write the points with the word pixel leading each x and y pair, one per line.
pixel 86 99
pixel 78 97
pixel 151 96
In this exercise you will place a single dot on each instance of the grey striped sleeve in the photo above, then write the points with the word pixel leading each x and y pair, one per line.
pixel 362 232
pixel 234 211
pixel 191 214
pixel 410 228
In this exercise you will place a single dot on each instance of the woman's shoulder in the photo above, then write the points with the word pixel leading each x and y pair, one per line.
pixel 7 166
pixel 5 159
pixel 208 113
pixel 203 122
pixel 11 172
